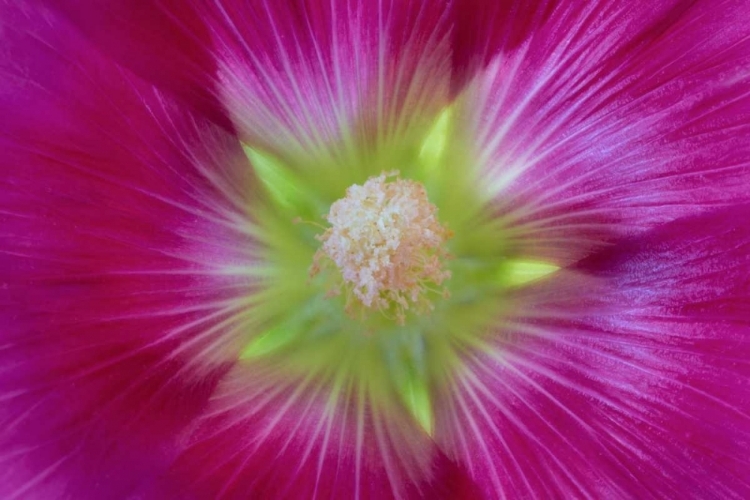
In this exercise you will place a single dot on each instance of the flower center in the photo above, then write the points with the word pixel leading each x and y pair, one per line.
pixel 387 246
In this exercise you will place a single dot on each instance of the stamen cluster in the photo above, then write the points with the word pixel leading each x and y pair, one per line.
pixel 387 243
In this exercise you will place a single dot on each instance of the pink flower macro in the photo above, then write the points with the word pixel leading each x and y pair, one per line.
pixel 161 335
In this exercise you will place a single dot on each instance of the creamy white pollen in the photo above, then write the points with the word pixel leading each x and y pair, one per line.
pixel 388 245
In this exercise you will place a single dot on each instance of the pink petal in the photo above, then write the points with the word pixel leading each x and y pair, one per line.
pixel 626 379
pixel 310 78
pixel 165 42
pixel 611 117
pixel 119 212
pixel 272 436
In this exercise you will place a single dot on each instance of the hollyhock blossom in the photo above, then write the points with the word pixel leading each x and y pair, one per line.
pixel 304 249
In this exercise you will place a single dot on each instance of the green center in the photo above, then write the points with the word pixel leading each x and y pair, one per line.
pixel 306 333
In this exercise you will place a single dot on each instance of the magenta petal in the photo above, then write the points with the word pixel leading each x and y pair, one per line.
pixel 482 28
pixel 118 211
pixel 611 117
pixel 304 77
pixel 270 436
pixel 165 42
pixel 628 379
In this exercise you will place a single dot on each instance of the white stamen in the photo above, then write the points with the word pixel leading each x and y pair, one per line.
pixel 387 243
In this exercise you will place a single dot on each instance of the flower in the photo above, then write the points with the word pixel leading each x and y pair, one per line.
pixel 575 174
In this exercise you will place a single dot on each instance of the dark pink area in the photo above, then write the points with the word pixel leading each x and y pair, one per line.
pixel 110 193
pixel 165 42
pixel 485 28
